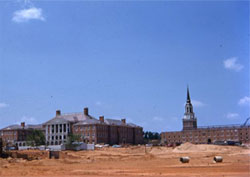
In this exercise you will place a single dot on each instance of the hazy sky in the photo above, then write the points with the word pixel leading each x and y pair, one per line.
pixel 125 59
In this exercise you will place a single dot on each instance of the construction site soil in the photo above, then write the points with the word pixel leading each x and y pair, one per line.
pixel 131 161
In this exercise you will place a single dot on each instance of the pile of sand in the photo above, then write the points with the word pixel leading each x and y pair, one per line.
pixel 160 150
pixel 189 147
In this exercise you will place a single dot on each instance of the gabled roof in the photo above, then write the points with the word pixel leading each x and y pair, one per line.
pixel 114 122
pixel 88 122
pixel 106 122
pixel 83 119
pixel 19 127
pixel 71 117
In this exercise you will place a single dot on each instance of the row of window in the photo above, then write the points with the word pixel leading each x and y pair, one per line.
pixel 8 133
pixel 57 137
pixel 9 138
pixel 87 134
pixel 228 134
pixel 55 143
pixel 85 128
pixel 197 140
pixel 218 135
pixel 58 128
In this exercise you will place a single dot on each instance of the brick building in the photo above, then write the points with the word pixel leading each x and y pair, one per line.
pixel 17 134
pixel 209 134
pixel 92 130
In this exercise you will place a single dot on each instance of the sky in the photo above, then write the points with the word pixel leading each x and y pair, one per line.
pixel 125 59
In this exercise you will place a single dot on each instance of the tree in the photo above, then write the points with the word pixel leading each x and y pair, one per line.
pixel 35 138
pixel 151 135
pixel 73 138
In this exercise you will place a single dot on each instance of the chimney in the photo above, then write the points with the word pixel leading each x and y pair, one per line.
pixel 101 118
pixel 58 113
pixel 22 124
pixel 124 121
pixel 86 111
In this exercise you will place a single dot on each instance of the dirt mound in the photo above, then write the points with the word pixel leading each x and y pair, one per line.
pixel 189 147
pixel 30 154
pixel 160 150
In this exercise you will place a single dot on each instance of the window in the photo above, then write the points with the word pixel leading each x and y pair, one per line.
pixel 64 127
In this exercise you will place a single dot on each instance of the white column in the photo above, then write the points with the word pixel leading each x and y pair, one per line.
pixel 62 132
pixel 51 133
pixel 46 134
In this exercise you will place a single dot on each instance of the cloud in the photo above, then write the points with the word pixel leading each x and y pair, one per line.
pixel 3 105
pixel 175 118
pixel 196 103
pixel 231 64
pixel 28 120
pixel 244 101
pixel 232 116
pixel 129 120
pixel 98 103
pixel 156 118
pixel 25 15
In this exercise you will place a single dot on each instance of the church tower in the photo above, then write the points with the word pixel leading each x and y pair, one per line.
pixel 189 119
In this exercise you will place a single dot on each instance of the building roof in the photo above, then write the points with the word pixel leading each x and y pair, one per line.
pixel 114 122
pixel 70 117
pixel 88 121
pixel 106 122
pixel 19 127
pixel 85 119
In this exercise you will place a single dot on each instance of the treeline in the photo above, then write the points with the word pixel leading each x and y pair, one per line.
pixel 151 135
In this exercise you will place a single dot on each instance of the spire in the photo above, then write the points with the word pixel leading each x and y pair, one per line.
pixel 188 96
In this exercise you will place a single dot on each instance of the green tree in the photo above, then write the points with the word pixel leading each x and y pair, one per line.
pixel 151 135
pixel 35 138
pixel 73 138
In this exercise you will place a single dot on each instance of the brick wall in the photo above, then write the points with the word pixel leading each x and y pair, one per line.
pixel 109 134
pixel 207 135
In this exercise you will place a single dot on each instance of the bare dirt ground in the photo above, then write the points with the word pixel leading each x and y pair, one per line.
pixel 134 161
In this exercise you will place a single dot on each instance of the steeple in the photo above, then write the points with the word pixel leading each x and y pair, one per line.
pixel 189 119
pixel 188 96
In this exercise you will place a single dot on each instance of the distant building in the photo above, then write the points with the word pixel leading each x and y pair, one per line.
pixel 17 134
pixel 91 130
pixel 192 133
